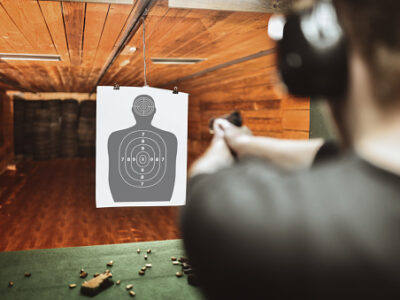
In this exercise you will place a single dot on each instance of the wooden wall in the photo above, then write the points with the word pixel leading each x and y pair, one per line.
pixel 51 96
pixel 6 131
pixel 249 88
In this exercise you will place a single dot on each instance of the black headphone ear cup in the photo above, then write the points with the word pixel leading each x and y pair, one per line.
pixel 313 63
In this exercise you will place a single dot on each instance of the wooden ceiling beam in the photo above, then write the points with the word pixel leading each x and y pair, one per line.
pixel 221 66
pixel 74 20
pixel 142 11
pixel 130 2
pixel 266 6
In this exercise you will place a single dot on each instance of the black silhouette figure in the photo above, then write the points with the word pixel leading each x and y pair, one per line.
pixel 142 158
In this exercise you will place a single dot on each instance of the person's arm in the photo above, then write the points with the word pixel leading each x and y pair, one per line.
pixel 217 156
pixel 285 153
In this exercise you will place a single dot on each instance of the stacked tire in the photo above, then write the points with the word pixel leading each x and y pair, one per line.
pixel 55 128
pixel 69 128
pixel 19 107
pixel 41 132
pixel 30 108
pixel 87 129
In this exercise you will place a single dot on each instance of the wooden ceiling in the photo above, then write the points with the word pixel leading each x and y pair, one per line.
pixel 88 37
pixel 83 34
pixel 219 37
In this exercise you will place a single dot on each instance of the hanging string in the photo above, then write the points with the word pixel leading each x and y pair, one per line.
pixel 144 52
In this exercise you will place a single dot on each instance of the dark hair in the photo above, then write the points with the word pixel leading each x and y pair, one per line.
pixel 373 30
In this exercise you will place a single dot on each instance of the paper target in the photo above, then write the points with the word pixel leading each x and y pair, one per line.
pixel 142 159
pixel 141 147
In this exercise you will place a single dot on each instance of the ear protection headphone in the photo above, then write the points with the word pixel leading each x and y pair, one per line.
pixel 312 51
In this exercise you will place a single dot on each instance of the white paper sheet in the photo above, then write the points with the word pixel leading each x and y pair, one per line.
pixel 141 147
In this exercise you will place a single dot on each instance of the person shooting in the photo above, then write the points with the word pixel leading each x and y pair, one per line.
pixel 254 230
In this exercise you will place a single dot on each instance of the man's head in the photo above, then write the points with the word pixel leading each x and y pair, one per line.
pixel 371 48
pixel 372 28
pixel 144 108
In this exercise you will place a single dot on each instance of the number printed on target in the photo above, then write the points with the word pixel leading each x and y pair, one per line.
pixel 142 158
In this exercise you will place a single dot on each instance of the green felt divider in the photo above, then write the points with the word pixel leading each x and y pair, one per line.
pixel 54 269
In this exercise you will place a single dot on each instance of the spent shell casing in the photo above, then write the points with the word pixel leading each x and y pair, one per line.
pixel 179 274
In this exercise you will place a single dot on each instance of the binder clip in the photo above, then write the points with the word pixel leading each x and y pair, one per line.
pixel 116 87
pixel 176 91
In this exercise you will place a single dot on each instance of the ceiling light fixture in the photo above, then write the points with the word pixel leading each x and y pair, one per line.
pixel 35 57
pixel 177 61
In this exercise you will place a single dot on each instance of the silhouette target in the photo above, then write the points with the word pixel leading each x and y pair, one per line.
pixel 142 158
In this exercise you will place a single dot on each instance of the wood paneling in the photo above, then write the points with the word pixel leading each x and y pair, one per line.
pixel 52 96
pixel 27 17
pixel 83 34
pixel 217 36
pixel 99 1
pixel 6 131
pixel 252 88
pixel 116 19
pixel 96 17
pixel 74 20
pixel 51 204
pixel 53 16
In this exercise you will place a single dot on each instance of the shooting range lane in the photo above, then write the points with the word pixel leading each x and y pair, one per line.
pixel 50 204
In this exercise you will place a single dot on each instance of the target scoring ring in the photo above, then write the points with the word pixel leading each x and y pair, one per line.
pixel 142 159
pixel 144 105
pixel 137 169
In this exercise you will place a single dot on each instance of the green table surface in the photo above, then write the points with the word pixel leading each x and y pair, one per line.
pixel 54 269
